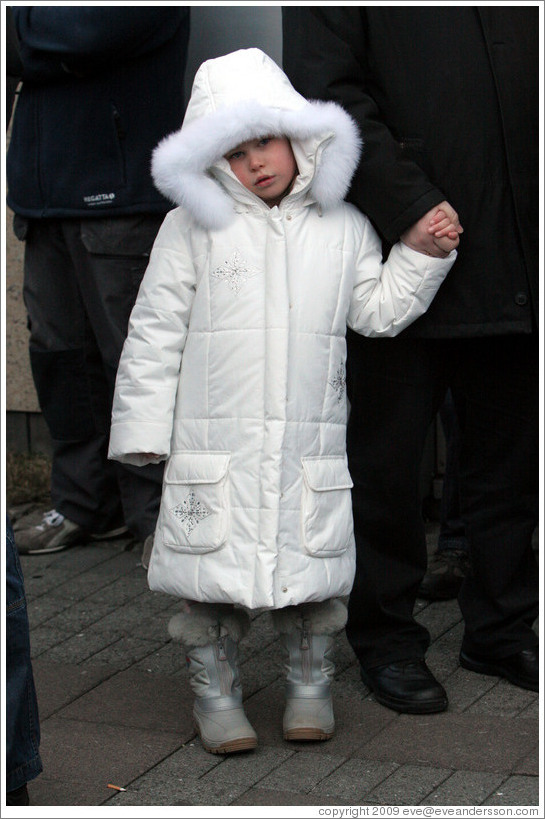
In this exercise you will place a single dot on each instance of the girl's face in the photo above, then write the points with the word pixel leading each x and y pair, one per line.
pixel 265 166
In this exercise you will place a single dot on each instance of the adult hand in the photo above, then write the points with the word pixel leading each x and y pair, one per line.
pixel 425 237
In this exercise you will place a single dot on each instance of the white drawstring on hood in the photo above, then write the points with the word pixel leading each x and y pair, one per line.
pixel 242 96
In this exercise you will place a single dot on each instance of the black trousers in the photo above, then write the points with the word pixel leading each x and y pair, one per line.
pixel 81 282
pixel 396 387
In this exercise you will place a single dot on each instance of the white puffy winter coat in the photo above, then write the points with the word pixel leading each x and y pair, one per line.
pixel 234 366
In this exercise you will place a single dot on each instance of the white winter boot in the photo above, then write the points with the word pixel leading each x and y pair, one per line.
pixel 307 633
pixel 210 635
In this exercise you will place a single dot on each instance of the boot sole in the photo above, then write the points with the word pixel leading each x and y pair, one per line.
pixel 307 735
pixel 233 746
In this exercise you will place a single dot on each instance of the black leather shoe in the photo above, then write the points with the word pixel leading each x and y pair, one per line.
pixel 446 571
pixel 520 669
pixel 407 686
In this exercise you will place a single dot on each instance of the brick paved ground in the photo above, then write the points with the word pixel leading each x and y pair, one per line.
pixel 115 707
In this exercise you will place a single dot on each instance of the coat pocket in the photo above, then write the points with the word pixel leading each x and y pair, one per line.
pixel 326 506
pixel 195 509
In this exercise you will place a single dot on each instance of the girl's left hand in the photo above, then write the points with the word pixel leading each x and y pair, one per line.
pixel 442 225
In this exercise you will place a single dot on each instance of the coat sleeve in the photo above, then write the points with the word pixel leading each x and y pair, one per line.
pixel 149 368
pixel 325 56
pixel 389 296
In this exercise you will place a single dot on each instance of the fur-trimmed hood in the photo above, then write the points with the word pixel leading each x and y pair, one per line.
pixel 242 96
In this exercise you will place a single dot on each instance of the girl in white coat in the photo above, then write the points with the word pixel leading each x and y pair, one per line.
pixel 233 372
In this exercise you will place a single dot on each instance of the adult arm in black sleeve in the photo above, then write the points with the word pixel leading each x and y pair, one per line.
pixel 325 57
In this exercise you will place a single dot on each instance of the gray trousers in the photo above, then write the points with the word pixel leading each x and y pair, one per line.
pixel 81 282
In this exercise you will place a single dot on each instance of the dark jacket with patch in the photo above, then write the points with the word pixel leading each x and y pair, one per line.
pixel 447 102
pixel 101 87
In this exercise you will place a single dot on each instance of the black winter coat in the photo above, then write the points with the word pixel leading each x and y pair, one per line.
pixel 14 66
pixel 447 102
pixel 101 87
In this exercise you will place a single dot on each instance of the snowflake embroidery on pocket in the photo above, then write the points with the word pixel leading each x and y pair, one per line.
pixel 235 272
pixel 339 382
pixel 190 513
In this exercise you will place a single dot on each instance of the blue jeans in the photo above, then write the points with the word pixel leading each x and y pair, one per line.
pixel 23 761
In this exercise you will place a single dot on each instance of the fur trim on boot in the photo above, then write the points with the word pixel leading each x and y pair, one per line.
pixel 328 617
pixel 199 626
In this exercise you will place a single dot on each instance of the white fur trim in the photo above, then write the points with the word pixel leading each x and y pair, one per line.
pixel 328 617
pixel 182 161
pixel 199 626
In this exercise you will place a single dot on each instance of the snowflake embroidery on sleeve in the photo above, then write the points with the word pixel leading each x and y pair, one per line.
pixel 339 382
pixel 190 513
pixel 235 272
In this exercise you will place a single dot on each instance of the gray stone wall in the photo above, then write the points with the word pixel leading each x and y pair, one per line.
pixel 20 393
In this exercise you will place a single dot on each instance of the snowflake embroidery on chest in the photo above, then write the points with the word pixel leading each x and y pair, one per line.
pixel 190 513
pixel 235 272
pixel 339 382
